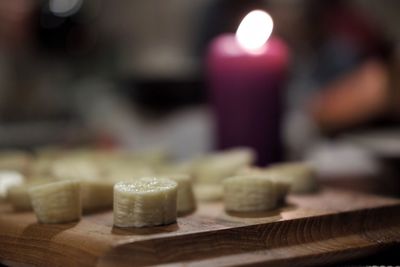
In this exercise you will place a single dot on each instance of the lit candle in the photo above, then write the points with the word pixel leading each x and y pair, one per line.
pixel 246 73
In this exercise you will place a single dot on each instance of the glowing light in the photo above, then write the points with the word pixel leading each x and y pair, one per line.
pixel 64 8
pixel 254 30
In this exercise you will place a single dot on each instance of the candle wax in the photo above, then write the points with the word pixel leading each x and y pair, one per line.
pixel 245 89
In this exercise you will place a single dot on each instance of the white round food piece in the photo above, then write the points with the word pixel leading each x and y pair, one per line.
pixel 147 201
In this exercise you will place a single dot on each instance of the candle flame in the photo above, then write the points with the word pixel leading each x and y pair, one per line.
pixel 254 30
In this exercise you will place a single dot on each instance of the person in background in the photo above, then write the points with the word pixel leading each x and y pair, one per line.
pixel 352 68
pixel 350 88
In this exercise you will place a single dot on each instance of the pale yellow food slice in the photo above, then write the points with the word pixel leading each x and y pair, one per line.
pixel 123 171
pixel 208 192
pixel 41 167
pixel 282 185
pixel 180 167
pixel 15 160
pixel 249 193
pixel 74 168
pixel 57 202
pixel 216 167
pixel 300 176
pixel 282 188
pixel 147 201
pixel 186 200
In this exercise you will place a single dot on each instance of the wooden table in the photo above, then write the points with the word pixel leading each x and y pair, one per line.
pixel 317 229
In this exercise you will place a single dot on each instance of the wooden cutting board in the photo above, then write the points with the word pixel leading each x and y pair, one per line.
pixel 316 229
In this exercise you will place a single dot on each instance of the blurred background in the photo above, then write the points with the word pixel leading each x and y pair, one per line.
pixel 133 74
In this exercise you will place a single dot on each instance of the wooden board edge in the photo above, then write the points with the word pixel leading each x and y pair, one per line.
pixel 320 239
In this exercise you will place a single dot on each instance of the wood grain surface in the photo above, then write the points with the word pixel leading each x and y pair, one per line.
pixel 323 228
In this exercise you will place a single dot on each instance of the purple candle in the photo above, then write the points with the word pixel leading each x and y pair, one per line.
pixel 246 73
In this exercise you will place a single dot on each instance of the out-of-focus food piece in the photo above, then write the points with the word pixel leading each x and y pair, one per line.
pixel 186 167
pixel 282 185
pixel 9 179
pixel 18 196
pixel 74 168
pixel 96 195
pixel 300 176
pixel 50 152
pixel 216 167
pixel 147 201
pixel 152 159
pixel 97 157
pixel 44 158
pixel 208 192
pixel 41 167
pixel 250 170
pixel 57 202
pixel 147 158
pixel 14 161
pixel 282 188
pixel 96 192
pixel 124 171
pixel 249 194
pixel 186 201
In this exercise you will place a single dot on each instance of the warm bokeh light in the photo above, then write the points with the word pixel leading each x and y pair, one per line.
pixel 254 30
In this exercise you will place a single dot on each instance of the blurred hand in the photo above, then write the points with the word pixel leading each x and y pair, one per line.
pixel 354 99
